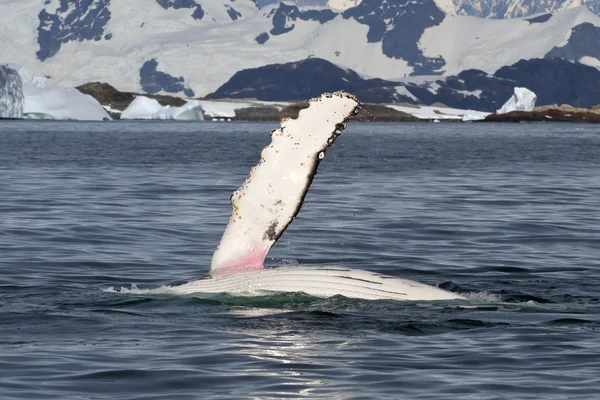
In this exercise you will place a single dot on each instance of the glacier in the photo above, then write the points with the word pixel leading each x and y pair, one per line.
pixel 522 99
pixel 144 108
pixel 11 93
pixel 203 54
pixel 43 100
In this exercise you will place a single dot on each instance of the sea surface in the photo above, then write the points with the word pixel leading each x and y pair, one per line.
pixel 91 214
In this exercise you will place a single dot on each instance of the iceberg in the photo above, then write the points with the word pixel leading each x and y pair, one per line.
pixel 522 99
pixel 145 108
pixel 11 93
pixel 43 100
pixel 473 117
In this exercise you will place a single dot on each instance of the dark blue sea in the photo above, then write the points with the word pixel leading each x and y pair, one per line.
pixel 507 214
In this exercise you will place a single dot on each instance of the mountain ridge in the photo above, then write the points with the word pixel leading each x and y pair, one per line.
pixel 170 46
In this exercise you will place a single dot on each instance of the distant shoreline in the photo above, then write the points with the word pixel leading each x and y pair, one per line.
pixel 251 110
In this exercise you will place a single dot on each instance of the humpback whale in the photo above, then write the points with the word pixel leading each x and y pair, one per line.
pixel 269 200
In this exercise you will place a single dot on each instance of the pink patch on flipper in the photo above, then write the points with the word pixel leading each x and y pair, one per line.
pixel 253 261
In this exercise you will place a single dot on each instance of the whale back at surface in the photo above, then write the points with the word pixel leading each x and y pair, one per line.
pixel 318 282
pixel 273 193
pixel 268 201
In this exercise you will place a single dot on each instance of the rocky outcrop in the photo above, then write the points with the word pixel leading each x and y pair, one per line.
pixel 305 79
pixel 71 21
pixel 555 81
pixel 110 97
pixel 567 108
pixel 117 101
pixel 564 113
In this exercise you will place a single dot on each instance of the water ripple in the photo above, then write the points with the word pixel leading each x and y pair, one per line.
pixel 96 218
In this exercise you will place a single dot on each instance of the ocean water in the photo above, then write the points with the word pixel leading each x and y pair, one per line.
pixel 508 215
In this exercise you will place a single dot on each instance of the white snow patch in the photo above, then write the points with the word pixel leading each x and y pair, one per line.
pixel 430 112
pixel 447 6
pixel 342 5
pixel 433 87
pixel 222 109
pixel 226 109
pixel 590 61
pixel 474 93
pixel 403 91
pixel 111 110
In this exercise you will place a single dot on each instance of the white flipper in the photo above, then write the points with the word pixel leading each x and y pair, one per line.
pixel 267 203
pixel 318 282
pixel 273 193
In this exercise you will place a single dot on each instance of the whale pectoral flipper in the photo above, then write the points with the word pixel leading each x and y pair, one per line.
pixel 273 192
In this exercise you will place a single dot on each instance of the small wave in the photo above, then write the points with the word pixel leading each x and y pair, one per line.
pixel 266 299
pixel 136 290
pixel 483 297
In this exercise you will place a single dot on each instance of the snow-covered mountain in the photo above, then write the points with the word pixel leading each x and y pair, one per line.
pixel 519 8
pixel 192 47
pixel 498 9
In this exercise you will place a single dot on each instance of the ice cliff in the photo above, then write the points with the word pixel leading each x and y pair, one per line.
pixel 11 93
pixel 522 99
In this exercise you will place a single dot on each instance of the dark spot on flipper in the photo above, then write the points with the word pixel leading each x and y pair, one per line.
pixel 271 232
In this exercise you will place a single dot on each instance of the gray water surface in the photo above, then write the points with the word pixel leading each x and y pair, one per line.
pixel 507 215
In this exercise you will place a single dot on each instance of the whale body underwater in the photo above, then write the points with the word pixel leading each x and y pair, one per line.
pixel 268 201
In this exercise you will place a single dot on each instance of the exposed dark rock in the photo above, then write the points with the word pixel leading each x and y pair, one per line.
pixel 380 113
pixel 109 96
pixel 198 12
pixel 177 4
pixel 584 41
pixel 556 81
pixel 285 12
pixel 233 13
pixel 553 80
pixel 268 113
pixel 73 20
pixel 367 112
pixel 154 81
pixel 398 25
pixel 262 38
pixel 303 80
pixel 540 19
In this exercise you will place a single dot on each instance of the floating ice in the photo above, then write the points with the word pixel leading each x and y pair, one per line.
pixel 144 108
pixel 522 99
pixel 11 93
pixel 472 117
pixel 46 101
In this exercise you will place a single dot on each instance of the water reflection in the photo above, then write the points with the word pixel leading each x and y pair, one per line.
pixel 301 361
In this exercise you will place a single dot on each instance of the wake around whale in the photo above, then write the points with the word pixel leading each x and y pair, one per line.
pixel 268 201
